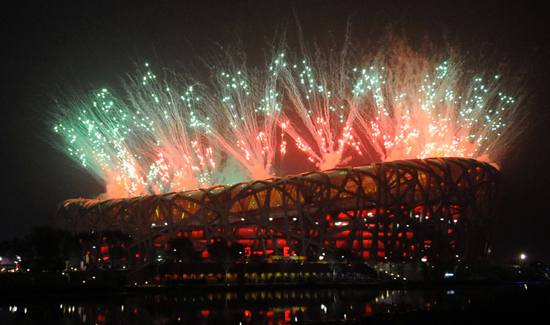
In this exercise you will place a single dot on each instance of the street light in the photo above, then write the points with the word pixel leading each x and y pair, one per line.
pixel 523 257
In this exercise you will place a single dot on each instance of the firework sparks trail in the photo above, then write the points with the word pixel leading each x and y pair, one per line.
pixel 246 114
pixel 174 137
pixel 168 111
pixel 320 110
pixel 98 132
pixel 175 134
pixel 423 109
pixel 153 147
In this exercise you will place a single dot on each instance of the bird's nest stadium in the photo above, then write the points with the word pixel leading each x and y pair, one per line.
pixel 408 210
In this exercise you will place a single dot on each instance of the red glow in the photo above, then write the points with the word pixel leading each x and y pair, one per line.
pixel 285 251
pixel 287 316
pixel 368 310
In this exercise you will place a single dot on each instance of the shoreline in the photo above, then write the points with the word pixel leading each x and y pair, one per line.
pixel 71 289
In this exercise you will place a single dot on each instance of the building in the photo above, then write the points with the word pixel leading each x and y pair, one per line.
pixel 410 210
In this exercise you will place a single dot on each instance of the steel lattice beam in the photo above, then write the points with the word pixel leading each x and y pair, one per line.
pixel 438 208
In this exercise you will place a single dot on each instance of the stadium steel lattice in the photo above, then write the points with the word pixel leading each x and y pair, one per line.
pixel 438 208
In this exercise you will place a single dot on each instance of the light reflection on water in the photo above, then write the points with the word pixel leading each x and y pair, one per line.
pixel 248 307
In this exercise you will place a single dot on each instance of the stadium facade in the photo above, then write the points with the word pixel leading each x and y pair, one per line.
pixel 409 210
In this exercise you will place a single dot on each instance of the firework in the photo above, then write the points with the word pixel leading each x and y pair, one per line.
pixel 422 107
pixel 174 133
pixel 154 145
pixel 245 113
pixel 98 131
pixel 320 109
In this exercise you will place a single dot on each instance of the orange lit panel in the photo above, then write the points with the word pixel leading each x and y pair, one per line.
pixel 366 234
pixel 246 242
pixel 249 231
pixel 343 234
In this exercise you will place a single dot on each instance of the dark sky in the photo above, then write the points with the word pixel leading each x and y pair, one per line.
pixel 50 45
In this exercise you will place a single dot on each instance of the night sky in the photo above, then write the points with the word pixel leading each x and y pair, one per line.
pixel 52 46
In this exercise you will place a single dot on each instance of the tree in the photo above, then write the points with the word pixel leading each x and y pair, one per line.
pixel 181 249
pixel 221 252
pixel 46 248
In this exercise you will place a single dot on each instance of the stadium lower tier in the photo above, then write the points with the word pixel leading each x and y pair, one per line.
pixel 430 209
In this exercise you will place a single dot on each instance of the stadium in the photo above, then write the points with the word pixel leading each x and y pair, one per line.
pixel 436 209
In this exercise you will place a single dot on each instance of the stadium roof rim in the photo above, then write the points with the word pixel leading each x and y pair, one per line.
pixel 442 162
